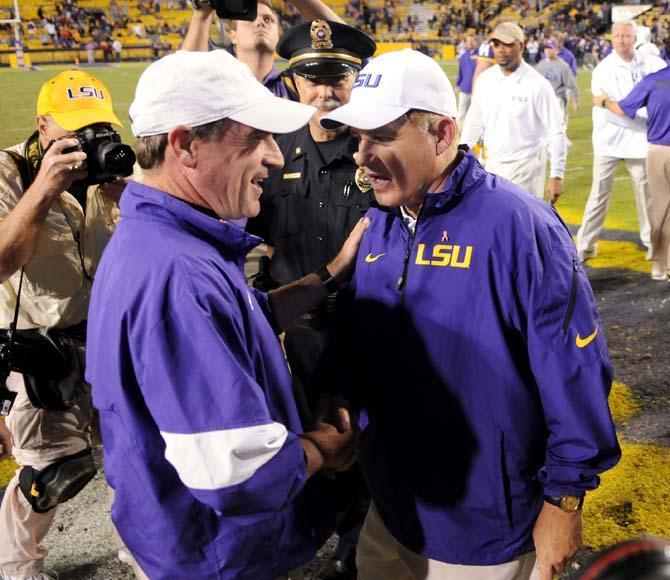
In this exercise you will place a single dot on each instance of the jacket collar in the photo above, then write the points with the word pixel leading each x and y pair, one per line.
pixel 146 203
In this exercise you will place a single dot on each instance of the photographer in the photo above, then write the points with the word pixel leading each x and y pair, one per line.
pixel 255 42
pixel 50 244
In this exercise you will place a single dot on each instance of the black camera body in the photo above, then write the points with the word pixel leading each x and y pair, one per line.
pixel 106 157
pixel 230 9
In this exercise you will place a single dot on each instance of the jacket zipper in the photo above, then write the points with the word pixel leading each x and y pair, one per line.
pixel 402 281
pixel 572 298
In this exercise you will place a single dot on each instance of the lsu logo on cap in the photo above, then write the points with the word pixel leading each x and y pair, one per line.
pixel 85 92
pixel 367 80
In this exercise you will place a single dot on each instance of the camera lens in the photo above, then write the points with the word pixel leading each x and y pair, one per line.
pixel 117 158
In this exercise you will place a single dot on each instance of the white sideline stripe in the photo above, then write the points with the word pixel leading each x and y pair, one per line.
pixel 217 459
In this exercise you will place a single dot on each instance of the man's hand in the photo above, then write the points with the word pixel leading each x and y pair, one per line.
pixel 342 265
pixel 5 441
pixel 598 99
pixel 59 170
pixel 575 106
pixel 337 450
pixel 557 536
pixel 554 189
pixel 336 411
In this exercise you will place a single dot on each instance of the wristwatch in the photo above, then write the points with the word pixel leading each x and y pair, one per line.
pixel 568 503
pixel 329 282
pixel 604 103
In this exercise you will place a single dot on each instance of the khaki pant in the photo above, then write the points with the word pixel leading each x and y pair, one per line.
pixel 40 438
pixel 658 173
pixel 598 203
pixel 381 557
pixel 530 173
pixel 464 101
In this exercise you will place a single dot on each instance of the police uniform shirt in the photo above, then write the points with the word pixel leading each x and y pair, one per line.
pixel 310 205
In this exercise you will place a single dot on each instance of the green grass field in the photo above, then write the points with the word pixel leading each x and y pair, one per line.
pixel 20 89
pixel 644 466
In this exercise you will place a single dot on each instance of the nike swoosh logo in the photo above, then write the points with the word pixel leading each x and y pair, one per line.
pixel 370 258
pixel 582 342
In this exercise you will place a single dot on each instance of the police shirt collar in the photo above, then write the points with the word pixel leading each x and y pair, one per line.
pixel 141 201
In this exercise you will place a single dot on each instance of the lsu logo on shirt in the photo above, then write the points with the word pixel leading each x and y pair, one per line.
pixel 367 80
pixel 444 255
pixel 86 92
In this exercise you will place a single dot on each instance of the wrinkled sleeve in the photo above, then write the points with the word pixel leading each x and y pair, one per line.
pixel 198 384
pixel 637 98
pixel 10 185
pixel 473 128
pixel 569 359
pixel 550 112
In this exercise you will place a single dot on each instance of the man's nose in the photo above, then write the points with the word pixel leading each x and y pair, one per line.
pixel 273 157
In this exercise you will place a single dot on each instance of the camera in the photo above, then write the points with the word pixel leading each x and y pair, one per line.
pixel 230 9
pixel 106 157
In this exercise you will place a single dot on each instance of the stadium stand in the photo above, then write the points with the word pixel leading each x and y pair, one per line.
pixel 80 30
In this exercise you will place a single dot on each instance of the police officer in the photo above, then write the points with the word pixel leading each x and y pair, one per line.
pixel 310 205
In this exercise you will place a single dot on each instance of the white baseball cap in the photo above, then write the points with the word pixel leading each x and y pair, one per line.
pixel 195 88
pixel 389 86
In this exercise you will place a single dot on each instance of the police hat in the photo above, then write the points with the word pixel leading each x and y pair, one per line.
pixel 323 49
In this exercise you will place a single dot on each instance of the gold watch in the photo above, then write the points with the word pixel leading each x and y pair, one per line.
pixel 568 503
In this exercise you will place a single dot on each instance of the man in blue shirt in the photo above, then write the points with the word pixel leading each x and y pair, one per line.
pixel 213 474
pixel 653 92
pixel 466 69
pixel 563 53
pixel 479 352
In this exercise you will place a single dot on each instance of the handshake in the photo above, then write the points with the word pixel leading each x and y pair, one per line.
pixel 332 445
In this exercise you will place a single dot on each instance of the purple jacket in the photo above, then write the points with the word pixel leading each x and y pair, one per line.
pixel 198 419
pixel 481 361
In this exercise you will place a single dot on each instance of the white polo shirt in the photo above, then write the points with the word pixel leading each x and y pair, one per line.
pixel 516 114
pixel 615 136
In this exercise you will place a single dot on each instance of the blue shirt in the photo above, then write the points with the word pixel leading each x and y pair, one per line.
pixel 482 364
pixel 653 92
pixel 569 58
pixel 199 424
pixel 466 69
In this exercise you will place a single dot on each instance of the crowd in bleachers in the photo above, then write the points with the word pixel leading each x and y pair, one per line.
pixel 101 24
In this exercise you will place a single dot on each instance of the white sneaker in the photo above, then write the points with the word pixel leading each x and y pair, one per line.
pixel 658 271
pixel 586 254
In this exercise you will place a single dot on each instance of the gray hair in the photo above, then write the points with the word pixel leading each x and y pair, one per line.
pixel 151 150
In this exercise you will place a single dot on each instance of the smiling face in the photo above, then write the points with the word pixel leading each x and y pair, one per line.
pixel 402 161
pixel 230 170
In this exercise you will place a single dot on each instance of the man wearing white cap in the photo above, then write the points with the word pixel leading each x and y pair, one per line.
pixel 214 477
pixel 515 111
pixel 479 353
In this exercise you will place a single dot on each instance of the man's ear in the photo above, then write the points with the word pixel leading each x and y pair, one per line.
pixel 42 126
pixel 183 145
pixel 445 133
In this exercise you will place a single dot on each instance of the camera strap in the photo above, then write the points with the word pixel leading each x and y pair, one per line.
pixel 7 397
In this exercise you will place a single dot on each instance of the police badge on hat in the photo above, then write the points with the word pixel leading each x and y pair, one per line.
pixel 321 34
pixel 325 49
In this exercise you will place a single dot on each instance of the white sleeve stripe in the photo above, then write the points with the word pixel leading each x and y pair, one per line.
pixel 218 459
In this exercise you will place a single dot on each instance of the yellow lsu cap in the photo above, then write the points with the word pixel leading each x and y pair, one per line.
pixel 75 99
